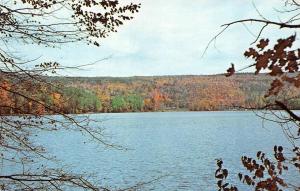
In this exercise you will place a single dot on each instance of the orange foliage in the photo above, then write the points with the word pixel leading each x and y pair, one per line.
pixel 40 109
pixel 105 99
pixel 56 98
pixel 5 97
pixel 216 96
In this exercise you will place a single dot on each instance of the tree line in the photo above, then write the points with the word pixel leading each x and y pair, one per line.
pixel 141 94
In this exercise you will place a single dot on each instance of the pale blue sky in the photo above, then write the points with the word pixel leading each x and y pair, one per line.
pixel 168 37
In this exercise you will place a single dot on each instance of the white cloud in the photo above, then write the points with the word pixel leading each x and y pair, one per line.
pixel 169 37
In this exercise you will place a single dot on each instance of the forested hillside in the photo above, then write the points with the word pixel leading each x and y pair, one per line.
pixel 158 93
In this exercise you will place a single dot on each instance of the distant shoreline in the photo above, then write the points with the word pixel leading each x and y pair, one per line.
pixel 165 111
pixel 161 111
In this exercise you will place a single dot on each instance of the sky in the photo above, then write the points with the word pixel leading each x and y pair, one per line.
pixel 168 37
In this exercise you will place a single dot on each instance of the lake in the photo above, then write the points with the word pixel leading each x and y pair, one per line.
pixel 179 147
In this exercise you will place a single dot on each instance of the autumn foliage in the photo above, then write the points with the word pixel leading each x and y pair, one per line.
pixel 193 93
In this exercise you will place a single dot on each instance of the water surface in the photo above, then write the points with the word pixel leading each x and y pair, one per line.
pixel 182 145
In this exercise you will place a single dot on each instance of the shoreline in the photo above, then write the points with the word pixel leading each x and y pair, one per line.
pixel 164 111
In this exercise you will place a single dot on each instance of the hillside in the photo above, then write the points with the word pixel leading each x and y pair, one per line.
pixel 135 94
pixel 161 93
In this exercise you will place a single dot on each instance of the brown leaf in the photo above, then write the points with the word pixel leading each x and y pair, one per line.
pixel 259 173
pixel 283 44
pixel 262 62
pixel 263 43
pixel 275 87
pixel 276 70
pixel 292 66
pixel 240 176
pixel 230 71
pixel 251 53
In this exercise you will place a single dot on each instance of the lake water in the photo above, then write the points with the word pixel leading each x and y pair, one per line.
pixel 181 145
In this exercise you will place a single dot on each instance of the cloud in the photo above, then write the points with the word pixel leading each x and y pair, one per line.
pixel 169 36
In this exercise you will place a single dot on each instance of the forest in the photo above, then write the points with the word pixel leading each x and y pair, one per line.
pixel 143 94
pixel 38 37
